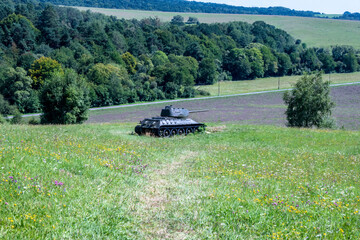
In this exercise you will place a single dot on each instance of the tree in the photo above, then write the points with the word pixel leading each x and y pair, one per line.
pixel 207 71
pixel 309 103
pixel 194 50
pixel 351 62
pixel 238 64
pixel 328 63
pixel 256 61
pixel 159 58
pixel 178 20
pixel 18 90
pixel 65 99
pixel 270 61
pixel 42 69
pixel 310 60
pixel 110 84
pixel 284 64
pixel 193 20
pixel 19 31
pixel 49 26
pixel 130 62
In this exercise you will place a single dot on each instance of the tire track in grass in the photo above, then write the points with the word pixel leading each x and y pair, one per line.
pixel 164 191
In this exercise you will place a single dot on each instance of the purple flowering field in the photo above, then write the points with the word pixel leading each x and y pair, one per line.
pixel 260 109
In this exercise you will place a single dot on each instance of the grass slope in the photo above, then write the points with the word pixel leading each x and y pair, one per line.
pixel 315 32
pixel 235 182
pixel 272 83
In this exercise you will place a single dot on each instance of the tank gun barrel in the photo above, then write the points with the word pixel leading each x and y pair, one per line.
pixel 201 110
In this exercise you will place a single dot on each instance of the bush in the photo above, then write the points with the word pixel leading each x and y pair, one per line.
pixel 309 103
pixel 2 119
pixel 17 117
pixel 202 92
pixel 34 121
pixel 65 99
pixel 328 123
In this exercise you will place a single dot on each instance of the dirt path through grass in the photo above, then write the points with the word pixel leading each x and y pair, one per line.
pixel 159 201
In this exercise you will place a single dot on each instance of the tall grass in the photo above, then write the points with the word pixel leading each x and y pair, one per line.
pixel 233 182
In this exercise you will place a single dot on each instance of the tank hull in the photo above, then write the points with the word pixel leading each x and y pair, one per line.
pixel 168 127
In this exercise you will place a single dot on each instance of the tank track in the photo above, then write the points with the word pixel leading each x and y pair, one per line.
pixel 170 131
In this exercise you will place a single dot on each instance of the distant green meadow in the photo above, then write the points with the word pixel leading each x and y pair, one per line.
pixel 315 32
pixel 271 83
pixel 231 182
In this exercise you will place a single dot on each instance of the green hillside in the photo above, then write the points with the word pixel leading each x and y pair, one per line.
pixel 315 32
pixel 271 83
pixel 234 182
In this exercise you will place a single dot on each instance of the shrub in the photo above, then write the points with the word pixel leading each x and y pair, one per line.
pixel 65 99
pixel 2 119
pixel 34 121
pixel 17 117
pixel 309 103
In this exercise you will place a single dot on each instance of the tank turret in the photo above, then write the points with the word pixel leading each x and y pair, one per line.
pixel 172 121
pixel 170 111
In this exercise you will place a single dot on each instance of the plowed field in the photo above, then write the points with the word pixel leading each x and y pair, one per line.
pixel 264 109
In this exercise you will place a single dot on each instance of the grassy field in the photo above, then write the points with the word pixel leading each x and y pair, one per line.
pixel 234 182
pixel 316 32
pixel 263 84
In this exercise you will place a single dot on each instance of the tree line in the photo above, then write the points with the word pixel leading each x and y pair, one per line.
pixel 350 16
pixel 62 60
pixel 183 6
pixel 193 6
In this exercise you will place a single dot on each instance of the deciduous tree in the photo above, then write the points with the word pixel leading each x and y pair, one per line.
pixel 65 99
pixel 309 103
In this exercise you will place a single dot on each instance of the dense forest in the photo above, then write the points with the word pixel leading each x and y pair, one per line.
pixel 182 6
pixel 56 55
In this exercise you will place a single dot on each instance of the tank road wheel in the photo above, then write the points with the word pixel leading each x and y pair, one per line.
pixel 181 131
pixel 187 131
pixel 166 133
pixel 138 129
pixel 161 132
pixel 173 132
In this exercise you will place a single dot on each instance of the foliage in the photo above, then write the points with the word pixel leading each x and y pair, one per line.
pixel 34 121
pixel 192 20
pixel 2 119
pixel 207 72
pixel 308 104
pixel 17 88
pixel 42 69
pixel 17 118
pixel 130 60
pixel 178 20
pixel 110 84
pixel 159 58
pixel 5 107
pixel 19 31
pixel 65 99
pixel 238 64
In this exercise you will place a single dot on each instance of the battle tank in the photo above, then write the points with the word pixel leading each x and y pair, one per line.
pixel 172 121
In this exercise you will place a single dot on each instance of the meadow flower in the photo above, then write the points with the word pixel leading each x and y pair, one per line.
pixel 58 183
